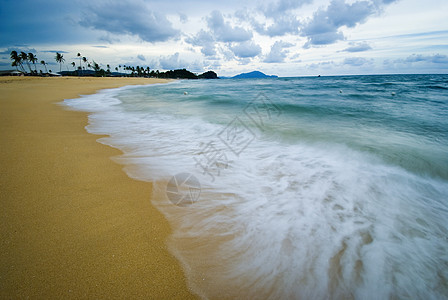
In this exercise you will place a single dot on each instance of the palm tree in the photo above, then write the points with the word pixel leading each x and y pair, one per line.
pixel 73 65
pixel 42 62
pixel 32 58
pixel 84 59
pixel 24 57
pixel 80 58
pixel 16 60
pixel 60 59
pixel 14 64
pixel 96 67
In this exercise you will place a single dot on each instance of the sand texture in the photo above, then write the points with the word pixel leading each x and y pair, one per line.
pixel 72 224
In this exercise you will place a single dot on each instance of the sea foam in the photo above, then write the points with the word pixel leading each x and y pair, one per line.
pixel 283 219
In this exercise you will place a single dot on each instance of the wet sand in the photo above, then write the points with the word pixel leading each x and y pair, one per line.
pixel 72 224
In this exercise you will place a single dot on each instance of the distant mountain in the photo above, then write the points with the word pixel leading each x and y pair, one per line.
pixel 254 74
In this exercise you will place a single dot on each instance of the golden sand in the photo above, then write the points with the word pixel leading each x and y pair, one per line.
pixel 72 224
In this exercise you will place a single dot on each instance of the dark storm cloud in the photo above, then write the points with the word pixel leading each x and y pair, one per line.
pixel 130 18
pixel 40 22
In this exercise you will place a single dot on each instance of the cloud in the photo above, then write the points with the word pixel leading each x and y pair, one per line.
pixel 204 40
pixel 324 26
pixel 108 38
pixel 321 65
pixel 246 49
pixel 281 26
pixel 183 18
pixel 278 52
pixel 278 8
pixel 141 57
pixel 45 22
pixel 130 18
pixel 171 62
pixel 284 21
pixel 224 32
pixel 54 51
pixel 359 47
pixel 26 50
pixel 356 61
pixel 417 58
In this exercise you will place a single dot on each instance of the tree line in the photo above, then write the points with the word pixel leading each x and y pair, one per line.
pixel 87 68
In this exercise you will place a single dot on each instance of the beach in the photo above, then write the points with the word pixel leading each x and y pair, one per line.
pixel 72 223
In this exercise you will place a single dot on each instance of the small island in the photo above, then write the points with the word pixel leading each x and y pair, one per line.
pixel 253 74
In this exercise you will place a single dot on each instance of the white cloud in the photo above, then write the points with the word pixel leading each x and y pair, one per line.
pixel 171 62
pixel 278 52
pixel 183 18
pixel 246 49
pixel 205 40
pixel 417 58
pixel 280 7
pixel 324 27
pixel 282 25
pixel 356 61
pixel 224 32
pixel 358 47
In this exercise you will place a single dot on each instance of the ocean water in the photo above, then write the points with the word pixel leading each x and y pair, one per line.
pixel 295 188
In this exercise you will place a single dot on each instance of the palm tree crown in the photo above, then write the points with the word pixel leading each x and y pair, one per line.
pixel 16 59
pixel 24 57
pixel 32 58
pixel 60 59
pixel 42 62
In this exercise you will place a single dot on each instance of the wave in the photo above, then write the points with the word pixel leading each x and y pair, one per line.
pixel 283 220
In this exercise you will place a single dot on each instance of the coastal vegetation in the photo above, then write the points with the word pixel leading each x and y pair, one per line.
pixel 94 69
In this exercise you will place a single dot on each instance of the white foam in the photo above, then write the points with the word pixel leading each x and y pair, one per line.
pixel 286 220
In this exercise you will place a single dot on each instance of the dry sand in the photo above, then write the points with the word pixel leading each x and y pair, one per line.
pixel 72 224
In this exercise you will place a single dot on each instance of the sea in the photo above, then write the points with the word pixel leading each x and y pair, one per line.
pixel 292 188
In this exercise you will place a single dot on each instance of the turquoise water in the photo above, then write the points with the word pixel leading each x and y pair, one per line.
pixel 330 187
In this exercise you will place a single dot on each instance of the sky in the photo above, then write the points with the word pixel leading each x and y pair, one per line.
pixel 281 37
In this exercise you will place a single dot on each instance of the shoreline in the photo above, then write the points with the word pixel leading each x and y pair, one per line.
pixel 73 224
